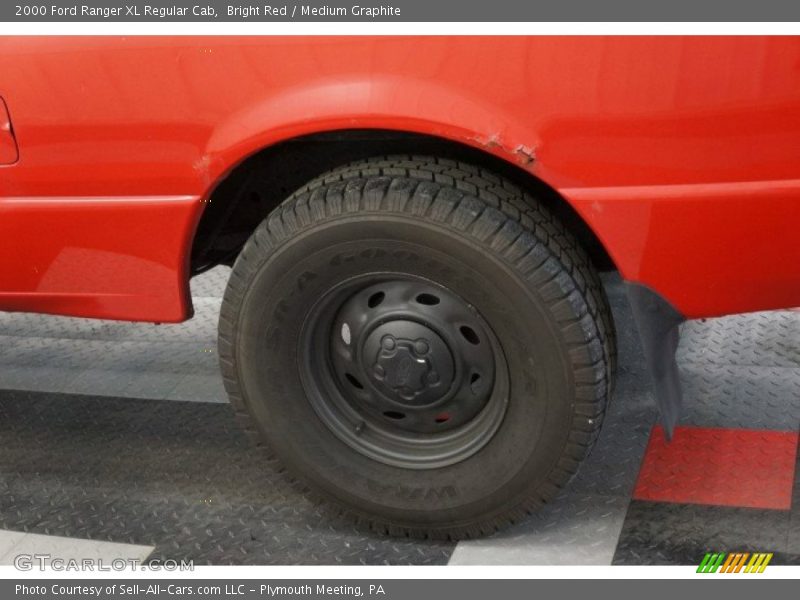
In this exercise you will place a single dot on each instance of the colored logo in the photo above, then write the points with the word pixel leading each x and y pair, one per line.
pixel 734 562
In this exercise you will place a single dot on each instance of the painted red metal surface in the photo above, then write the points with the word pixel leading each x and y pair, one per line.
pixel 8 145
pixel 722 467
pixel 98 257
pixel 681 153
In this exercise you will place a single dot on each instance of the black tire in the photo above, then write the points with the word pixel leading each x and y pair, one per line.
pixel 487 242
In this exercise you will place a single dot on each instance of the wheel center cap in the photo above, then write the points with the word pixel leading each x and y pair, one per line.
pixel 409 363
pixel 403 366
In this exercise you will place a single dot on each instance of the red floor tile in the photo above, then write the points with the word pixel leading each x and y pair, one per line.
pixel 722 467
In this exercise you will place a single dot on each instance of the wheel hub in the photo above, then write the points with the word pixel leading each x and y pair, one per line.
pixel 408 363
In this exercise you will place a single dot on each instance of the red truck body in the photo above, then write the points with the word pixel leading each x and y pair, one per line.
pixel 681 154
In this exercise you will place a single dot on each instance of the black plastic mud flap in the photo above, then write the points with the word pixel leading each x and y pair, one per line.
pixel 659 331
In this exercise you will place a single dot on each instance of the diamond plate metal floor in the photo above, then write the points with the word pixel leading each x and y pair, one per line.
pixel 138 360
pixel 175 475
pixel 90 448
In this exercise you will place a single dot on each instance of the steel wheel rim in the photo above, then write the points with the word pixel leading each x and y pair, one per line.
pixel 403 370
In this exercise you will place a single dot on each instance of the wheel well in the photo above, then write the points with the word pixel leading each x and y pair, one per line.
pixel 262 181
